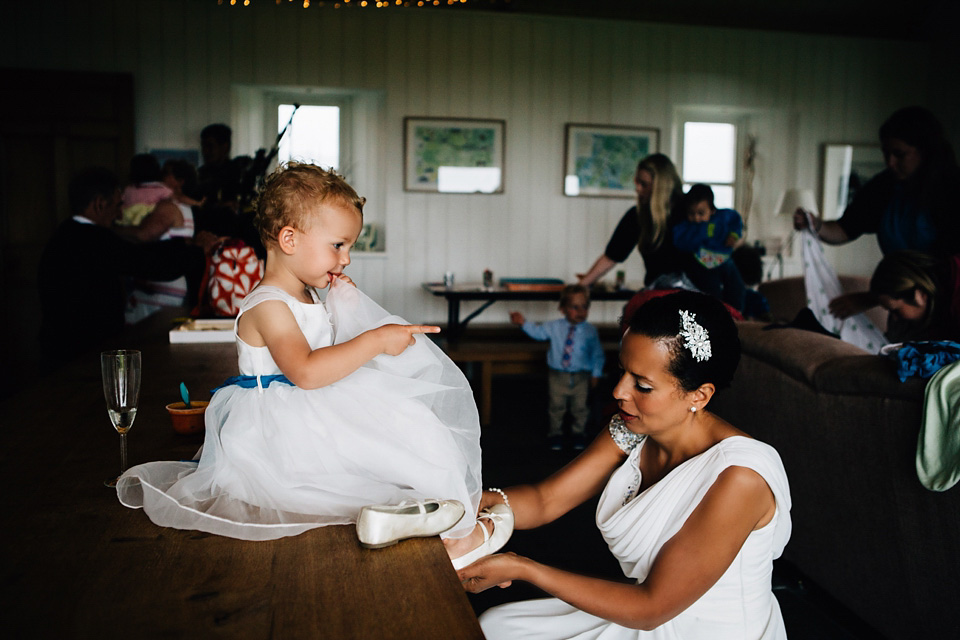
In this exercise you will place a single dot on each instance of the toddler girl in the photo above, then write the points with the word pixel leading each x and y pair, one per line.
pixel 340 406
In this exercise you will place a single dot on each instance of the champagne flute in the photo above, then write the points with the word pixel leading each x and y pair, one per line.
pixel 120 371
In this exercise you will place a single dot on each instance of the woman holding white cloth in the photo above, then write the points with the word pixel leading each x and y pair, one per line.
pixel 694 509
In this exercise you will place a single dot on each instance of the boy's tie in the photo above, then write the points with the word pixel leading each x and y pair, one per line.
pixel 568 348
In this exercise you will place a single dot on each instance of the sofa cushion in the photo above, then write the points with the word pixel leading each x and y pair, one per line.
pixel 787 296
pixel 867 376
pixel 797 352
pixel 827 364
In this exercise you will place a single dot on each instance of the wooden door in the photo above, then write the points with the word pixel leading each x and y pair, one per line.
pixel 52 123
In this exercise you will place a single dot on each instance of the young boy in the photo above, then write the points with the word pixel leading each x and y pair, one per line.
pixel 575 360
pixel 710 234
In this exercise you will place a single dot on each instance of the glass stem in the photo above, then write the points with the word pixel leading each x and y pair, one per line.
pixel 123 452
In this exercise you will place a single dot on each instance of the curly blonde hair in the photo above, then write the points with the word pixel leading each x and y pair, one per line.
pixel 292 192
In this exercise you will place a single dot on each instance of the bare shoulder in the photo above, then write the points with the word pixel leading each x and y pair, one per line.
pixel 744 489
pixel 255 324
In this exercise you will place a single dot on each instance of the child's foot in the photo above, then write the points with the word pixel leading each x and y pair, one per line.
pixel 494 528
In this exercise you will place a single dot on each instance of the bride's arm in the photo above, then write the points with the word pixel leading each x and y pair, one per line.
pixel 685 568
pixel 584 477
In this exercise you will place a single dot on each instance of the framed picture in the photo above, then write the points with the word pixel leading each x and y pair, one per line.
pixel 190 155
pixel 846 168
pixel 453 155
pixel 602 160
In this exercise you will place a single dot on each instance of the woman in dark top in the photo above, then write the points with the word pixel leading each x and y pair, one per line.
pixel 909 205
pixel 647 225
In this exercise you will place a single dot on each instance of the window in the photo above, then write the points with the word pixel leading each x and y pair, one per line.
pixel 318 127
pixel 331 127
pixel 312 134
pixel 710 157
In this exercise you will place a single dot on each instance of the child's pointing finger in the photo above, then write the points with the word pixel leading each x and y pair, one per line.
pixel 424 328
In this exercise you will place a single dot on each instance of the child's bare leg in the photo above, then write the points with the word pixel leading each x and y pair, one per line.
pixel 457 547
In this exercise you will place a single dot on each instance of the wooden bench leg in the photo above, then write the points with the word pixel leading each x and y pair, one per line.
pixel 486 391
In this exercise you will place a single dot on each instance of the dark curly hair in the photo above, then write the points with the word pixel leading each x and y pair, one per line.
pixel 659 319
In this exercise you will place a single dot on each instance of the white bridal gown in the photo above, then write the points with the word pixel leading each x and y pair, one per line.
pixel 740 606
pixel 280 460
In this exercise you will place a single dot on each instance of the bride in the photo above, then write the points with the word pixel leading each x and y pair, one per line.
pixel 693 508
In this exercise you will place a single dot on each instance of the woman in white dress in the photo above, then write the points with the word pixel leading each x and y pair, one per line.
pixel 694 509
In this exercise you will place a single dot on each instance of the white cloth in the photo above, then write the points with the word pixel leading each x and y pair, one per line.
pixel 283 460
pixel 938 444
pixel 740 606
pixel 822 286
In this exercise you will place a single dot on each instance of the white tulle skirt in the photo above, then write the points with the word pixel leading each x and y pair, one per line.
pixel 279 461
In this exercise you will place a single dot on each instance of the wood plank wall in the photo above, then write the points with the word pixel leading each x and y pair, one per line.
pixel 536 73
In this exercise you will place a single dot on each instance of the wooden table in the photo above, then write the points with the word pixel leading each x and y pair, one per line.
pixel 78 564
pixel 488 295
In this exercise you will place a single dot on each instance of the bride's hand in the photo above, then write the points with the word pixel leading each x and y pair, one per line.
pixel 497 570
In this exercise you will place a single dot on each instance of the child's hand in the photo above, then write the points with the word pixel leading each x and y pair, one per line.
pixel 395 338
pixel 342 278
pixel 517 318
pixel 732 239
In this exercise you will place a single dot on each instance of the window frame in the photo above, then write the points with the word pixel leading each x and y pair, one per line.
pixel 343 101
pixel 722 115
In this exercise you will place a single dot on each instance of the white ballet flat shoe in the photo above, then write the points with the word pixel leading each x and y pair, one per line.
pixel 381 525
pixel 502 517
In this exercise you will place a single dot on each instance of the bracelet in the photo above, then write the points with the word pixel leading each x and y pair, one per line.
pixel 503 495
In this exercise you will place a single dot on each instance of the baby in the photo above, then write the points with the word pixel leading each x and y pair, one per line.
pixel 710 234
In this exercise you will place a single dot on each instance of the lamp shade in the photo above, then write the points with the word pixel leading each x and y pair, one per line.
pixel 793 199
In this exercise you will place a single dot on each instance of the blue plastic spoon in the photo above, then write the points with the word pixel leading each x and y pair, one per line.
pixel 185 394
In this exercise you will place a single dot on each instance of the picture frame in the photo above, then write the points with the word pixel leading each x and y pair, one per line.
pixel 163 155
pixel 601 160
pixel 453 155
pixel 846 168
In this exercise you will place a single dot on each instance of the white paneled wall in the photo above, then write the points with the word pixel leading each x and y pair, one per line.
pixel 536 73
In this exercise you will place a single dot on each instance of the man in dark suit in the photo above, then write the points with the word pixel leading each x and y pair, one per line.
pixel 83 267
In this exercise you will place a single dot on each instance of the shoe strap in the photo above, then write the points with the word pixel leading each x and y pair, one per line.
pixel 419 504
pixel 492 517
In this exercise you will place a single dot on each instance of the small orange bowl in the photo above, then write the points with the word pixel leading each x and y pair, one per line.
pixel 187 421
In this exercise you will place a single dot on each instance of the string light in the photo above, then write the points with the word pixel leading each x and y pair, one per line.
pixel 380 4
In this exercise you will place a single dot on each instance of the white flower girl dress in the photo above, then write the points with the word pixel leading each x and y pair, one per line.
pixel 278 460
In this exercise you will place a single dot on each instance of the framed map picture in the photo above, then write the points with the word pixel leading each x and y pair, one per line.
pixel 601 160
pixel 447 155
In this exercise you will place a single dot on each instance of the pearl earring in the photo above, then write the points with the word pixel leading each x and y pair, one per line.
pixel 693 409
